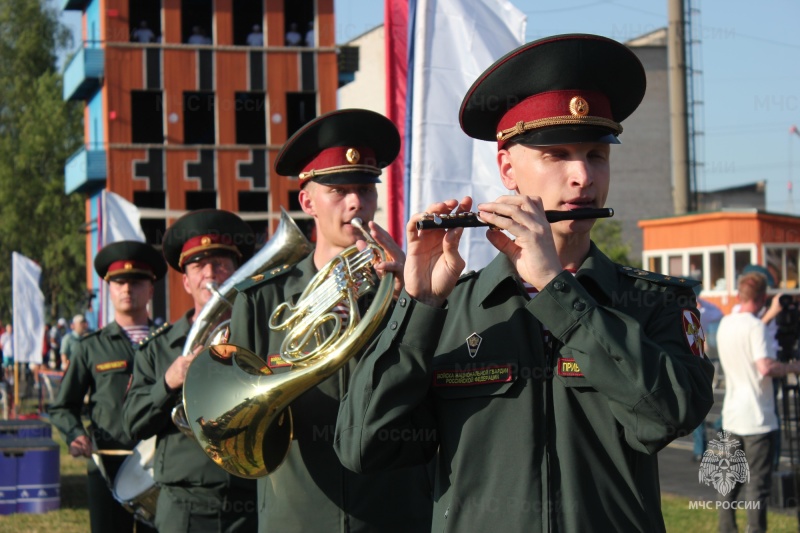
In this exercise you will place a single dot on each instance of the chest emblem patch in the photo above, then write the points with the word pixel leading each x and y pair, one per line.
pixel 694 333
pixel 276 361
pixel 473 376
pixel 111 365
pixel 473 343
pixel 568 367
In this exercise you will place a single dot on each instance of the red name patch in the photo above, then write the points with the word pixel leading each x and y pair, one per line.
pixel 568 367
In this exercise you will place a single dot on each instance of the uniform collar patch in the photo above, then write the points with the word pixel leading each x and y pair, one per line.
pixel 695 336
pixel 111 365
pixel 568 367
pixel 473 376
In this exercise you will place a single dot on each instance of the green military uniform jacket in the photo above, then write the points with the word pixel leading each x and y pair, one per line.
pixel 179 460
pixel 311 491
pixel 529 438
pixel 101 364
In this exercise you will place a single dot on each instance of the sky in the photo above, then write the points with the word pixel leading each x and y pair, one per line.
pixel 749 59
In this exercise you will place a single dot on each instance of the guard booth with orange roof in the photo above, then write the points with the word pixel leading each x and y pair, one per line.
pixel 715 248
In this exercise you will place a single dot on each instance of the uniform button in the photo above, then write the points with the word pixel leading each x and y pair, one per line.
pixel 579 306
pixel 558 285
pixel 393 325
pixel 402 302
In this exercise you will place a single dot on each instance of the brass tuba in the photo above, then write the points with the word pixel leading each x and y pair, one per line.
pixel 239 409
pixel 287 246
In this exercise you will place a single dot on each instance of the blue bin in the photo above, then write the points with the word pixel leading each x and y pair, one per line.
pixel 25 429
pixel 31 467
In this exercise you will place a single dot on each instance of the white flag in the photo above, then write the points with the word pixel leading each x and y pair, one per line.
pixel 28 304
pixel 454 42
pixel 120 221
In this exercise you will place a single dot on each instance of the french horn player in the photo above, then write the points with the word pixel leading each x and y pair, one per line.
pixel 205 247
pixel 338 158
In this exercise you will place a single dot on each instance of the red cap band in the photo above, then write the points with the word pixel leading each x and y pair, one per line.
pixel 201 243
pixel 122 268
pixel 554 108
pixel 339 158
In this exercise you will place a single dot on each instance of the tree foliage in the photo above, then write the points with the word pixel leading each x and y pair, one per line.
pixel 607 235
pixel 38 132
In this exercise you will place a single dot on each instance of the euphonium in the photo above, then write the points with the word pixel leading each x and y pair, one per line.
pixel 239 409
pixel 286 247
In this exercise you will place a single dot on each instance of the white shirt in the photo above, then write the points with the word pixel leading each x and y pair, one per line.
pixel 749 405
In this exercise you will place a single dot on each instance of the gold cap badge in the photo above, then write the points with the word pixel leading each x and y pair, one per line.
pixel 352 156
pixel 578 107
pixel 205 241
pixel 128 266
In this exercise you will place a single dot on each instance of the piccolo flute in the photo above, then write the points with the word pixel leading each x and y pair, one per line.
pixel 471 220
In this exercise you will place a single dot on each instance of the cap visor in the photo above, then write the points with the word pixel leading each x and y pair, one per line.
pixel 565 135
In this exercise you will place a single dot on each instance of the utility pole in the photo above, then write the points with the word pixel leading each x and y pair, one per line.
pixel 676 57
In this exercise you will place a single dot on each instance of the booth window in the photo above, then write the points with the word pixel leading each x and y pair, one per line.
pixel 716 265
pixel 741 258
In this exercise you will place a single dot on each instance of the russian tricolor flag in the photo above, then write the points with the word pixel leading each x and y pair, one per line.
pixel 435 49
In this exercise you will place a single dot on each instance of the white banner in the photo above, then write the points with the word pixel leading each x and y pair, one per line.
pixel 454 42
pixel 28 304
pixel 120 221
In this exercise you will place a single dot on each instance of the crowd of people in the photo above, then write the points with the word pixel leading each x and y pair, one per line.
pixel 477 402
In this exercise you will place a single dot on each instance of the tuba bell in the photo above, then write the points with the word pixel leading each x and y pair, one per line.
pixel 286 247
pixel 239 410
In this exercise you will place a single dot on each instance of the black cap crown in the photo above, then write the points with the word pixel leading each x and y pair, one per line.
pixel 207 232
pixel 129 260
pixel 348 146
pixel 557 90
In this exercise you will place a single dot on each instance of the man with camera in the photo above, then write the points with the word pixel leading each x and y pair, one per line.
pixel 748 358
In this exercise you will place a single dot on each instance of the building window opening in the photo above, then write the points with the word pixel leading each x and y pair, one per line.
pixel 150 200
pixel 716 263
pixel 300 108
pixel 299 17
pixel 201 200
pixel 154 229
pixel 253 201
pixel 251 122
pixel 145 21
pixel 147 117
pixel 198 118
pixel 196 21
pixel 248 19
pixel 741 258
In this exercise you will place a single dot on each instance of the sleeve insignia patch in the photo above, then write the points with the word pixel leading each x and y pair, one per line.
pixel 695 336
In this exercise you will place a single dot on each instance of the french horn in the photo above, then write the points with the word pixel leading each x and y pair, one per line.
pixel 238 409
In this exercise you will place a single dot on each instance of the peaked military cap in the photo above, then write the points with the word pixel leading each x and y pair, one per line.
pixel 563 89
pixel 344 147
pixel 205 233
pixel 129 259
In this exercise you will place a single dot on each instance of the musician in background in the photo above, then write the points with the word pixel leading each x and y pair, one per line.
pixel 196 495
pixel 548 380
pixel 338 157
pixel 101 364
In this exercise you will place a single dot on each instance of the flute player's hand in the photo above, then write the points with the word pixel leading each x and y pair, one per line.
pixel 433 264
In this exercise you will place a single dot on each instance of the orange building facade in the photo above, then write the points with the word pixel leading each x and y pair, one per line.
pixel 187 105
pixel 716 247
